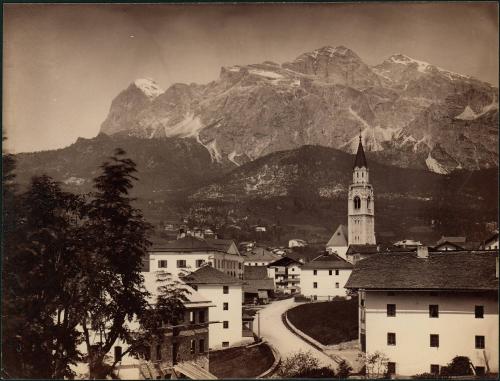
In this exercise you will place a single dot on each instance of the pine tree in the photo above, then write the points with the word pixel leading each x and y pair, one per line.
pixel 117 245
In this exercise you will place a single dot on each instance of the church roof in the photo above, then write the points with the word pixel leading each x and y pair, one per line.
pixel 360 156
pixel 339 238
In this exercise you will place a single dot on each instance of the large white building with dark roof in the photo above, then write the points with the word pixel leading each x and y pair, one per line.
pixel 422 309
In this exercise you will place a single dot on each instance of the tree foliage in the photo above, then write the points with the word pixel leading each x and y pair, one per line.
pixel 303 365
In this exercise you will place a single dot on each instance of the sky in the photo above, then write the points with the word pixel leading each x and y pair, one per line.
pixel 64 63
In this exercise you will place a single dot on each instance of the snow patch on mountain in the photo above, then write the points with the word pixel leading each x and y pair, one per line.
pixel 467 114
pixel 212 149
pixel 190 126
pixel 405 60
pixel 434 166
pixel 265 74
pixel 149 87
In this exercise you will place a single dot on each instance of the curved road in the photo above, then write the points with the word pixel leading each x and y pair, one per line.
pixel 286 342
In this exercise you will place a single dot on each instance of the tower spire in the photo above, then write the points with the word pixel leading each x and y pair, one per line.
pixel 360 161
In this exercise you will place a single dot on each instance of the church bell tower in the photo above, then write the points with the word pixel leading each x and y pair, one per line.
pixel 361 219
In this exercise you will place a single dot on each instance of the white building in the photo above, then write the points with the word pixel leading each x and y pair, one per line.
pixel 296 243
pixel 492 242
pixel 422 309
pixel 189 253
pixel 361 205
pixel 226 293
pixel 259 256
pixel 339 242
pixel 324 277
pixel 286 274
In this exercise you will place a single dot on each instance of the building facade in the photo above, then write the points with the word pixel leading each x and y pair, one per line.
pixel 189 253
pixel 361 203
pixel 226 294
pixel 422 309
pixel 286 275
pixel 324 278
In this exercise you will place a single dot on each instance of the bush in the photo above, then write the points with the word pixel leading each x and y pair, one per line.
pixel 303 365
pixel 459 366
pixel 429 376
pixel 344 369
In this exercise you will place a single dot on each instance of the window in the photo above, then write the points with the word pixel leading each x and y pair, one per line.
pixel 162 263
pixel 225 289
pixel 434 340
pixel 118 353
pixel 193 347
pixel 195 287
pixel 181 263
pixel 479 370
pixel 158 352
pixel 336 272
pixel 315 285
pixel 433 310
pixel 337 285
pixel 391 310
pixel 479 342
pixel 391 338
pixel 435 369
pixel 329 272
pixel 391 367
pixel 479 312
pixel 200 262
pixel 201 316
pixel 191 317
pixel 315 272
pixel 225 324
pixel 239 266
pixel 225 344
pixel 357 202
pixel 225 306
pixel 201 346
pixel 362 302
pixel 368 202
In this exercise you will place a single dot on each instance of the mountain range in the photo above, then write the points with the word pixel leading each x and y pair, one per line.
pixel 409 113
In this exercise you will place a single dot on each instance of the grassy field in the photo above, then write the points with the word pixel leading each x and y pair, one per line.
pixel 327 322
pixel 241 362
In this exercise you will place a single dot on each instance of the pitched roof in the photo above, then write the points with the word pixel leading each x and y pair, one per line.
pixel 328 261
pixel 362 249
pixel 493 238
pixel 447 243
pixel 260 254
pixel 339 238
pixel 285 261
pixel 360 156
pixel 209 275
pixel 255 272
pixel 451 239
pixel 254 285
pixel 222 244
pixel 454 270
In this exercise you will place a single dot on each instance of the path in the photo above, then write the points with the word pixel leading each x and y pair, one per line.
pixel 286 342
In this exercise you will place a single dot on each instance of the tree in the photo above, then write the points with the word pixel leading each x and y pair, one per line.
pixel 344 369
pixel 375 364
pixel 459 366
pixel 116 246
pixel 40 281
pixel 303 365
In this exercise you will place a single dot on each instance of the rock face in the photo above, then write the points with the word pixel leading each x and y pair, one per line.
pixel 409 113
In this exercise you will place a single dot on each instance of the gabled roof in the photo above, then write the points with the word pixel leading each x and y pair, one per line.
pixel 360 156
pixel 327 261
pixel 339 238
pixel 283 262
pixel 221 244
pixel 458 240
pixel 190 244
pixel 209 275
pixel 260 254
pixel 447 243
pixel 255 272
pixel 493 238
pixel 253 286
pixel 455 270
pixel 362 249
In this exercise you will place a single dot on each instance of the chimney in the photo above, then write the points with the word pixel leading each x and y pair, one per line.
pixel 422 252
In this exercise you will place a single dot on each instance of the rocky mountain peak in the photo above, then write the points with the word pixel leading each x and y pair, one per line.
pixel 149 87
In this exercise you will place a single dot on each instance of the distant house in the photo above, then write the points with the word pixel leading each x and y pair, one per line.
pixel 286 274
pixel 258 287
pixel 325 277
pixel 338 243
pixel 225 292
pixel 408 243
pixel 259 256
pixel 355 253
pixel 260 229
pixel 491 243
pixel 421 309
pixel 297 243
pixel 455 240
pixel 189 253
pixel 447 246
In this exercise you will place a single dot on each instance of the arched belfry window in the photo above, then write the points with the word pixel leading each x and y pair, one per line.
pixel 357 202
pixel 368 201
